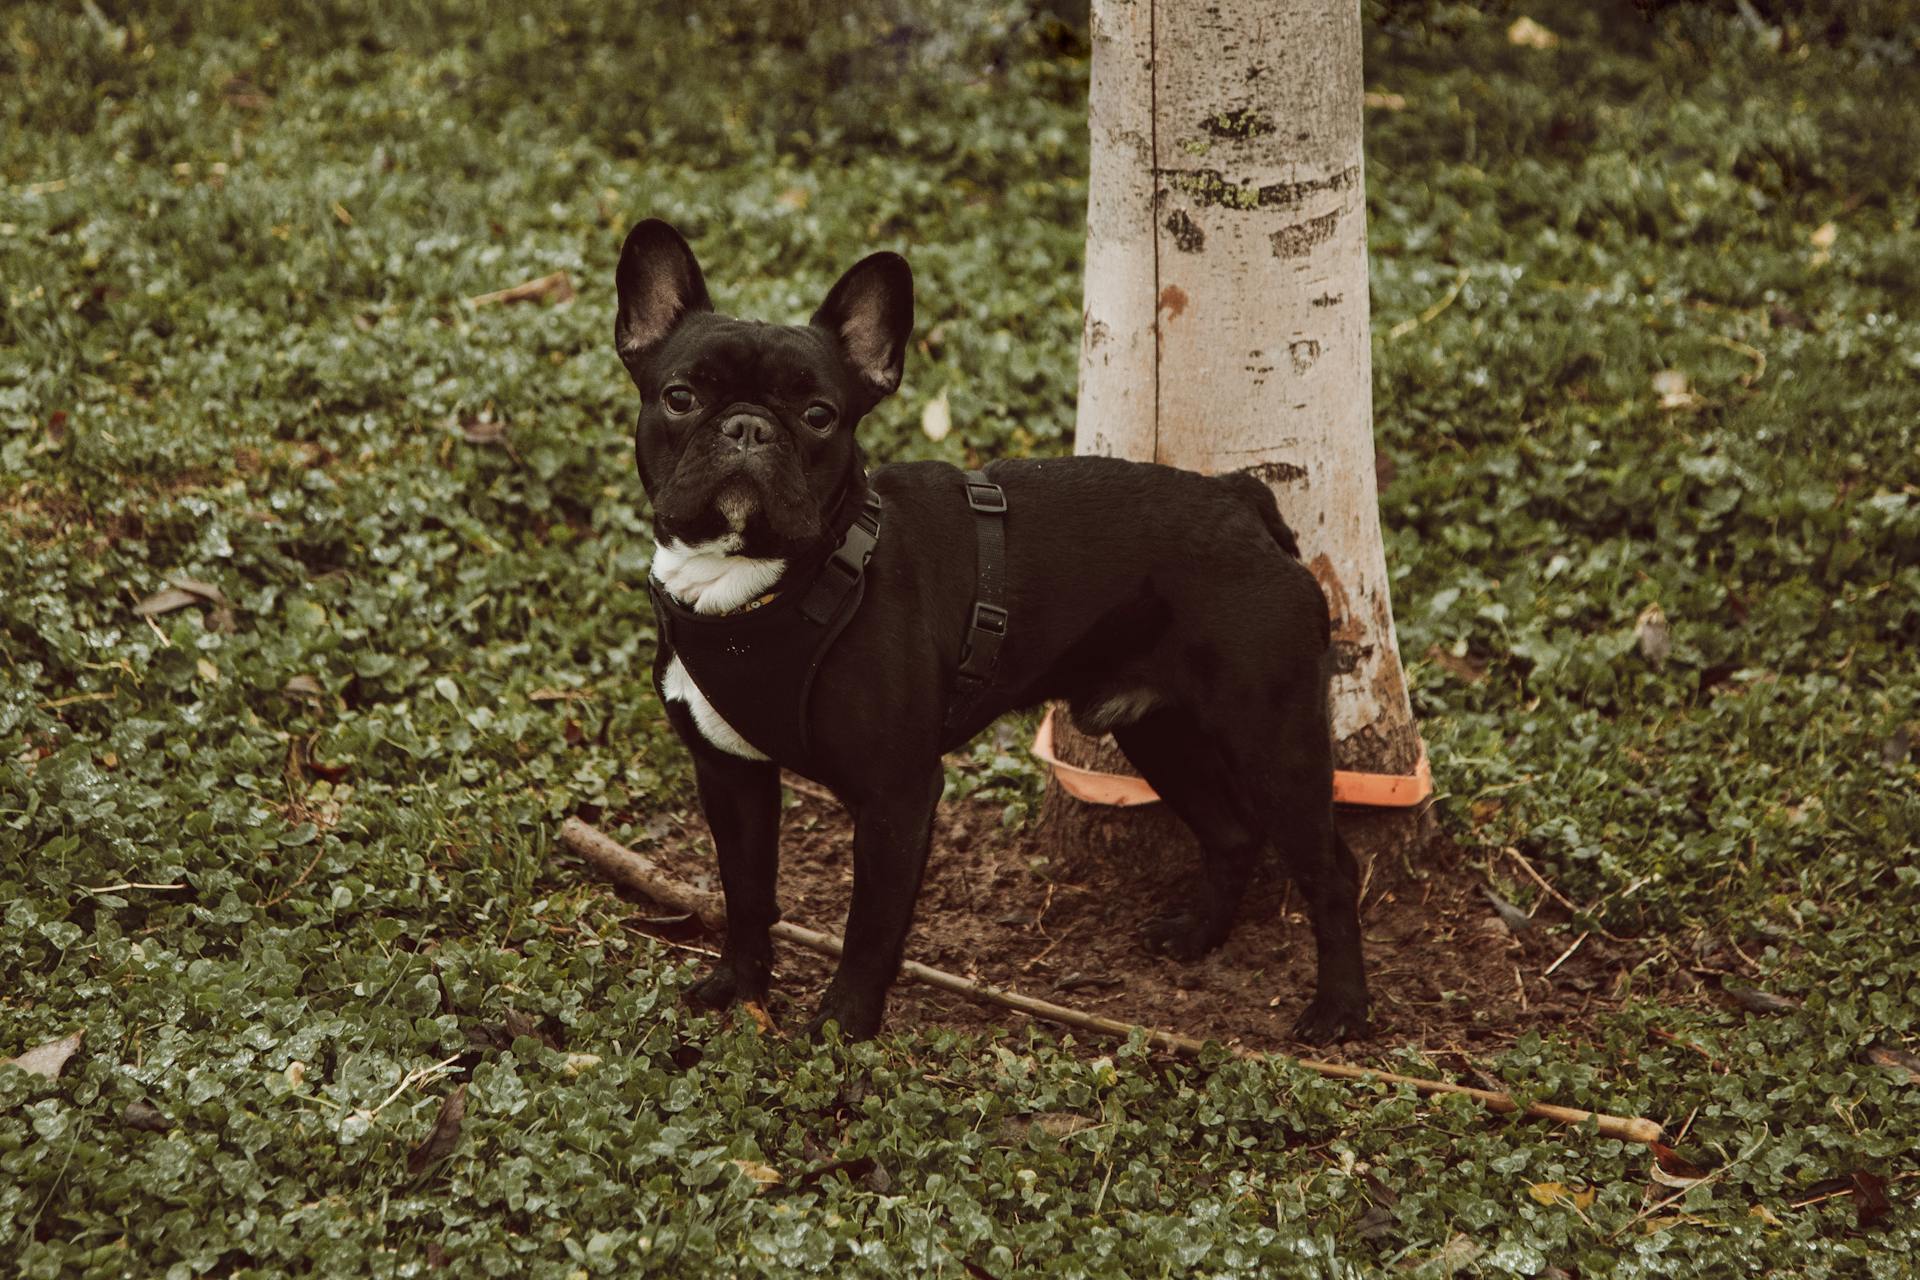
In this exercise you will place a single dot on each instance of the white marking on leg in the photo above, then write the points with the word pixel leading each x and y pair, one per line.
pixel 709 578
pixel 679 687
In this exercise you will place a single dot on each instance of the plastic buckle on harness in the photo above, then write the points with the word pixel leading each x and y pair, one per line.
pixel 990 618
pixel 988 498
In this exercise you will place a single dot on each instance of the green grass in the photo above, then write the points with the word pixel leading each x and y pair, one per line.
pixel 235 245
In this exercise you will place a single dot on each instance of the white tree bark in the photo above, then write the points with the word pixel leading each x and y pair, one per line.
pixel 1226 294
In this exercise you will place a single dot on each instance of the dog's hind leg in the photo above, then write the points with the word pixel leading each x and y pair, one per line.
pixel 1284 775
pixel 1186 769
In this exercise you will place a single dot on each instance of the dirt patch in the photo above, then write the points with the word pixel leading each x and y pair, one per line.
pixel 1448 976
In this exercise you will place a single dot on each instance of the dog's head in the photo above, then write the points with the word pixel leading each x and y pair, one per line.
pixel 746 429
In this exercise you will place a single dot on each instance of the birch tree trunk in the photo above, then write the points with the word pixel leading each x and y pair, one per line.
pixel 1226 321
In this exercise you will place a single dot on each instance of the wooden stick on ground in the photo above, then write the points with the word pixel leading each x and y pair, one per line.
pixel 635 871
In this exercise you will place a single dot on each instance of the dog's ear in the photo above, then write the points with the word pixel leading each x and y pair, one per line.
pixel 660 282
pixel 870 314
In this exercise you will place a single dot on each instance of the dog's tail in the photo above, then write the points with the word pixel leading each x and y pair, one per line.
pixel 1253 490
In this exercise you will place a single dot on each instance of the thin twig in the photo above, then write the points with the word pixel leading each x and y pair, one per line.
pixel 1567 954
pixel 636 871
pixel 128 884
pixel 1406 327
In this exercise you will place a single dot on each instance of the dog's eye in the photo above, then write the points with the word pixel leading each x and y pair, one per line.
pixel 678 399
pixel 819 416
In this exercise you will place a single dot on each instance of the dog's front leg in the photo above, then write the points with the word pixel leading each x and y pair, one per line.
pixel 741 800
pixel 890 833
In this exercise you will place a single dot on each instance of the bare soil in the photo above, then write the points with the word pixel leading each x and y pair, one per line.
pixel 1449 977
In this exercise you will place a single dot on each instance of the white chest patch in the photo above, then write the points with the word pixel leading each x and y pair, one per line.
pixel 709 578
pixel 679 687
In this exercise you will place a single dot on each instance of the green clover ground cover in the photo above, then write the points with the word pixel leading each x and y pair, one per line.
pixel 235 247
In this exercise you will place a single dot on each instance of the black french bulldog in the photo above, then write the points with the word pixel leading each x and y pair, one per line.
pixel 1166 607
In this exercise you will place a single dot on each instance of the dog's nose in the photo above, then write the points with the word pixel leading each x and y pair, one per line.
pixel 749 430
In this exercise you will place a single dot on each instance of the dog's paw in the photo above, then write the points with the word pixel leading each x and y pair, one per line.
pixel 857 1015
pixel 721 987
pixel 1184 935
pixel 1330 1016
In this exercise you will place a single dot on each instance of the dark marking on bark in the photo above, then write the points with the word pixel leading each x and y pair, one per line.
pixel 1187 235
pixel 1238 123
pixel 1273 473
pixel 1304 353
pixel 1348 656
pixel 1097 332
pixel 1211 187
pixel 1300 238
pixel 1173 301
pixel 1329 299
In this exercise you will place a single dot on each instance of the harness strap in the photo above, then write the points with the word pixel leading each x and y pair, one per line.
pixel 987 623
pixel 841 572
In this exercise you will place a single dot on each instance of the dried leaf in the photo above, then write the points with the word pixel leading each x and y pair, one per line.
pixel 1671 1169
pixel 578 1063
pixel 1655 637
pixel 1529 34
pixel 1675 390
pixel 763 1176
pixel 1384 101
pixel 145 1117
pixel 1757 1001
pixel 1376 1222
pixel 1870 1202
pixel 1511 916
pixel 1467 670
pixel 482 428
pixel 1552 1193
pixel 302 686
pixel 557 287
pixel 761 1018
pixel 1897 1060
pixel 1824 236
pixel 49 1059
pixel 445 1134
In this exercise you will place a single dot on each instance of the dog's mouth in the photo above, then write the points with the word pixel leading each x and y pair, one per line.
pixel 736 502
pixel 758 502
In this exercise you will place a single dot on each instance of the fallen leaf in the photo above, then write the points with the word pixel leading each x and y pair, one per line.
pixel 1757 1001
pixel 1824 236
pixel 1511 916
pixel 1552 1193
pixel 1765 1215
pixel 49 1059
pixel 577 1063
pixel 208 672
pixel 1870 1202
pixel 302 687
pixel 341 215
pixel 1897 1060
pixel 445 1133
pixel 1656 639
pixel 1671 1169
pixel 762 1020
pixel 855 1169
pixel 483 428
pixel 1529 34
pixel 936 419
pixel 794 198
pixel 763 1176
pixel 145 1117
pixel 1468 670
pixel 1453 1257
pixel 557 287
pixel 1376 1222
pixel 1675 390
pixel 1384 101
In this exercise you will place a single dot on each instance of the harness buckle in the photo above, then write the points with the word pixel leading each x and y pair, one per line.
pixel 990 618
pixel 986 497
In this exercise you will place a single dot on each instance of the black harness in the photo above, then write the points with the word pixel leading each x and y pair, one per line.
pixel 756 665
